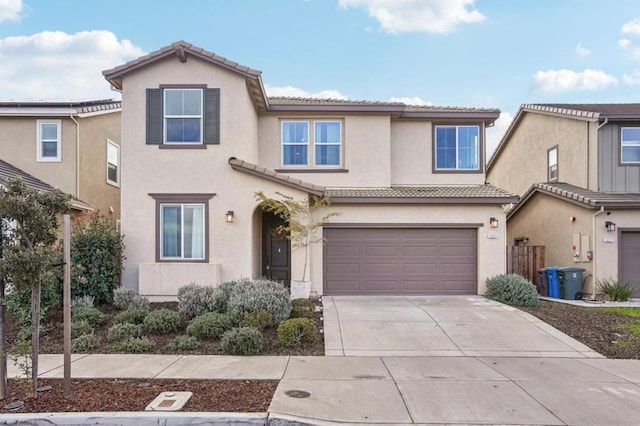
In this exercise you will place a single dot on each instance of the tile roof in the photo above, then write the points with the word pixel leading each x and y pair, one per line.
pixel 580 196
pixel 8 171
pixel 597 110
pixel 41 108
pixel 472 194
pixel 286 100
pixel 253 169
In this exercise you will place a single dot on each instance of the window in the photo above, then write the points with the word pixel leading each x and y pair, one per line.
pixel 630 145
pixel 182 227
pixel 457 148
pixel 552 164
pixel 183 117
pixel 327 143
pixel 113 160
pixel 49 140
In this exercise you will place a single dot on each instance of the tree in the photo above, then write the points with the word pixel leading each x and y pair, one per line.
pixel 300 224
pixel 29 256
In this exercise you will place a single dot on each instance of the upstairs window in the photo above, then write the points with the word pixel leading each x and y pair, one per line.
pixel 183 116
pixel 326 136
pixel 113 161
pixel 49 140
pixel 552 164
pixel 457 148
pixel 630 145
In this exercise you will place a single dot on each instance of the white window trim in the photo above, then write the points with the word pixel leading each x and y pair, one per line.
pixel 549 165
pixel 204 240
pixel 634 144
pixel 165 116
pixel 110 182
pixel 311 144
pixel 58 157
pixel 435 146
pixel 283 143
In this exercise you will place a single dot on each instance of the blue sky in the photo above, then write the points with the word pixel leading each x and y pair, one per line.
pixel 482 53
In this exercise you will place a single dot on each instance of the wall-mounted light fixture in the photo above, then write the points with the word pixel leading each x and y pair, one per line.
pixel 610 226
pixel 230 216
pixel 493 222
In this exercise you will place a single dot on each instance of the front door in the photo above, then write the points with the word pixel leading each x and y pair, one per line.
pixel 276 250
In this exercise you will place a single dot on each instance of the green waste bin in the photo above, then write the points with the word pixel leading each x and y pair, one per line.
pixel 570 283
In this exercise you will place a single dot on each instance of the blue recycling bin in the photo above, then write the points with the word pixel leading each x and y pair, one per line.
pixel 553 281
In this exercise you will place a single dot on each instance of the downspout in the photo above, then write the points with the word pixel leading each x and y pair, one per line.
pixel 604 123
pixel 77 155
pixel 594 257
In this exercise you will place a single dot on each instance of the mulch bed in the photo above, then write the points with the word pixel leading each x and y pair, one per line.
pixel 135 395
pixel 604 332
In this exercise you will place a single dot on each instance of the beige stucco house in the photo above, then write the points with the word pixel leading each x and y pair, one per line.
pixel 200 137
pixel 72 146
pixel 577 170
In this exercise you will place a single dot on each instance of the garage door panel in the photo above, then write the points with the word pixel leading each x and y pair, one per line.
pixel 397 261
pixel 630 259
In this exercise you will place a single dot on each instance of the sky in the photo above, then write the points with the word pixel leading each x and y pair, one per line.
pixel 466 53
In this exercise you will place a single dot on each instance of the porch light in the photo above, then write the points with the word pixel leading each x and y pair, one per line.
pixel 230 216
pixel 493 222
pixel 610 226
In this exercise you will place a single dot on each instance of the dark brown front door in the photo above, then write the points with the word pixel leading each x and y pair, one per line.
pixel 276 250
pixel 629 253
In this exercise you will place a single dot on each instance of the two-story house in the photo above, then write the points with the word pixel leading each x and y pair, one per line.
pixel 577 169
pixel 201 137
pixel 72 146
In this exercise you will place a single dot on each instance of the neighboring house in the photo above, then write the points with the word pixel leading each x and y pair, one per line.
pixel 200 137
pixel 73 146
pixel 577 168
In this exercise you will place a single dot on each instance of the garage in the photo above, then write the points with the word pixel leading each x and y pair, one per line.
pixel 396 260
pixel 628 253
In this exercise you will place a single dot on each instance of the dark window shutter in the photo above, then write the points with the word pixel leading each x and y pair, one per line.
pixel 212 116
pixel 155 117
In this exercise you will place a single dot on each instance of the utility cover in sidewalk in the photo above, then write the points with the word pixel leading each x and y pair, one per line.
pixel 169 401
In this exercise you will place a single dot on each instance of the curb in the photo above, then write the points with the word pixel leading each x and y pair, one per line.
pixel 133 418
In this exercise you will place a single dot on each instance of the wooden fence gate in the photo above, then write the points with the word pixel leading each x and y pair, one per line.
pixel 525 261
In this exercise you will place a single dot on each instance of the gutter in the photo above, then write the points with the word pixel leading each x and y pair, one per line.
pixel 77 154
pixel 593 250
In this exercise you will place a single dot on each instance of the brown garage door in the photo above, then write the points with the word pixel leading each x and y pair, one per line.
pixel 400 261
pixel 629 252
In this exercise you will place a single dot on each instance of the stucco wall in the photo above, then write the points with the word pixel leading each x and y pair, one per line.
pixel 366 149
pixel 18 147
pixel 94 189
pixel 523 160
pixel 412 157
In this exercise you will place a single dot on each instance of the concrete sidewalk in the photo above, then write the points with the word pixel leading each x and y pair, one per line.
pixel 403 390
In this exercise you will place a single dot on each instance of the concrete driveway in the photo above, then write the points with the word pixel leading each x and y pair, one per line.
pixel 439 326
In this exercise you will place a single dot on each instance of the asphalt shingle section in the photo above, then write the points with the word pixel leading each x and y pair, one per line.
pixel 8 171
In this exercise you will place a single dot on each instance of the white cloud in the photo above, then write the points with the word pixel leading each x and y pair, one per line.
pixel 632 79
pixel 555 81
pixel 10 10
pixel 410 101
pixel 294 92
pixel 582 51
pixel 495 133
pixel 624 42
pixel 631 27
pixel 57 65
pixel 427 16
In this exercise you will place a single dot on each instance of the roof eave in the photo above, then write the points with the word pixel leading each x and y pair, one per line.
pixel 423 200
pixel 486 116
pixel 335 108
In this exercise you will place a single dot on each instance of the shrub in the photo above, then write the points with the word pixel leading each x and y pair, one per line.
pixel 512 289
pixel 257 295
pixel 209 326
pixel 80 327
pixel 18 302
pixel 120 332
pixel 136 345
pixel 96 249
pixel 259 319
pixel 242 341
pixel 224 293
pixel 90 314
pixel 296 331
pixel 85 343
pixel 162 321
pixel 184 343
pixel 616 291
pixel 82 302
pixel 131 316
pixel 195 300
pixel 302 308
pixel 122 297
